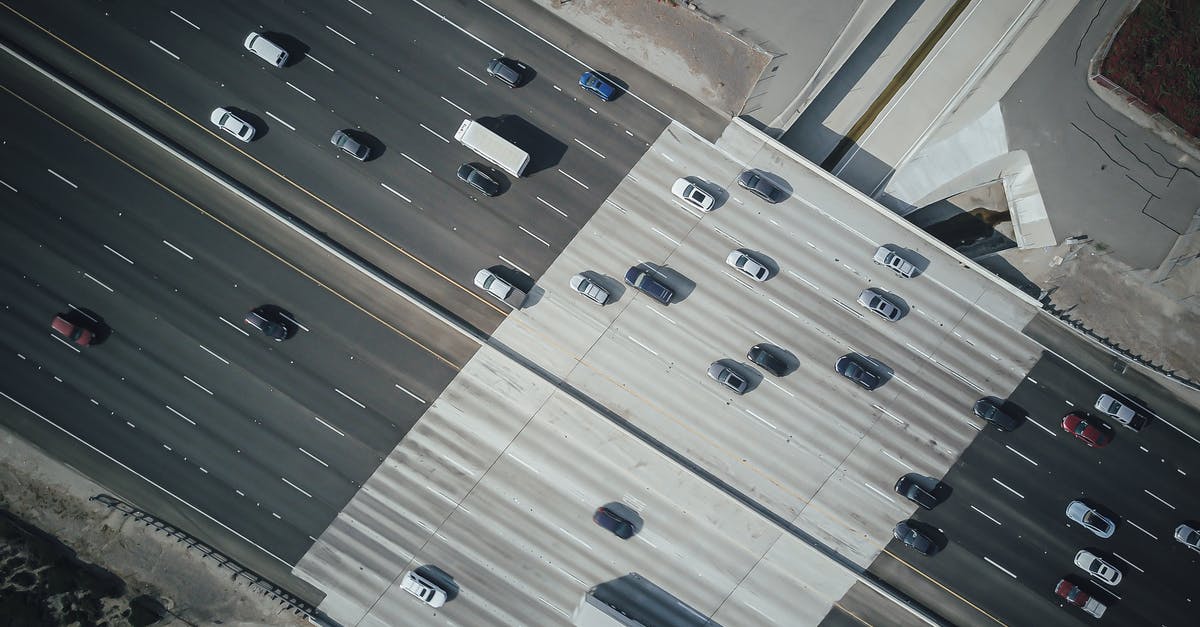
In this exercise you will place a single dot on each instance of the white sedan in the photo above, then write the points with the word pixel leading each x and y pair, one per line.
pixel 747 265
pixel 232 124
pixel 1097 567
pixel 693 194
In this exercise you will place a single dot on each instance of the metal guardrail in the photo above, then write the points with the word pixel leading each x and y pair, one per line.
pixel 240 573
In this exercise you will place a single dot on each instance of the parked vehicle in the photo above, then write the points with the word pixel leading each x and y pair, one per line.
pixel 424 589
pixel 1121 411
pixel 1091 519
pixel 589 288
pixel 891 259
pixel 1075 595
pixel 642 281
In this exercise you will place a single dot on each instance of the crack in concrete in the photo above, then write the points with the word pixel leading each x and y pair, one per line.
pixel 1140 160
pixel 1110 157
pixel 1098 117
pixel 1088 30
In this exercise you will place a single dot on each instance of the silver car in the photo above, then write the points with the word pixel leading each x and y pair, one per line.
pixel 1097 567
pixel 488 281
pixel 691 193
pixel 232 124
pixel 350 146
pixel 901 266
pixel 1121 412
pixel 747 265
pixel 727 377
pixel 1091 519
pixel 1188 535
pixel 508 71
pixel 589 288
pixel 880 304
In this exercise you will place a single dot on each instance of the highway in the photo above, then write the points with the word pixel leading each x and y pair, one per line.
pixel 381 438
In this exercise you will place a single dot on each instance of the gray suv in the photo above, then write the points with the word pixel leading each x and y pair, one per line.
pixel 507 71
pixel 641 280
pixel 350 146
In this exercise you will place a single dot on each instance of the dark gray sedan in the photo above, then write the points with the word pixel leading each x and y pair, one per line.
pixel 913 539
pixel 761 186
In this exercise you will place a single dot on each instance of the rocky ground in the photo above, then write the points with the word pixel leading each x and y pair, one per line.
pixel 65 560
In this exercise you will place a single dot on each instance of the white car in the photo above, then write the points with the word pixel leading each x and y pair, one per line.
pixel 1091 519
pixel 899 265
pixel 880 304
pixel 747 265
pixel 1188 536
pixel 492 284
pixel 423 589
pixel 1121 412
pixel 693 194
pixel 232 124
pixel 1097 567
pixel 589 288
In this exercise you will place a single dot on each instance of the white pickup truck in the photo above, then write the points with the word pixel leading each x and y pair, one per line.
pixel 487 281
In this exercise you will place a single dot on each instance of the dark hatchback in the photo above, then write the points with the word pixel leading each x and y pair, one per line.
pixel 641 280
pixel 853 368
pixel 614 522
pixel 271 323
pixel 913 491
pixel 762 356
pixel 476 177
pixel 991 409
pixel 913 539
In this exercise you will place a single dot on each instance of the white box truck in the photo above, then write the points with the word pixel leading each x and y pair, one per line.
pixel 492 147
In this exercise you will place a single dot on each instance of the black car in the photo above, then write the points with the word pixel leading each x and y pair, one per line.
pixel 476 177
pixel 854 368
pixel 913 539
pixel 991 409
pixel 270 322
pixel 907 487
pixel 641 280
pixel 760 186
pixel 762 356
pixel 614 522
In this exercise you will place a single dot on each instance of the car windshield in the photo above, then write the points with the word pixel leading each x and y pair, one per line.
pixel 1094 519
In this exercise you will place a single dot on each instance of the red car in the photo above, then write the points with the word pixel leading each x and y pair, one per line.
pixel 1079 426
pixel 71 331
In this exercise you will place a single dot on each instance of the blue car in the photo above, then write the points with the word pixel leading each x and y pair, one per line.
pixel 598 85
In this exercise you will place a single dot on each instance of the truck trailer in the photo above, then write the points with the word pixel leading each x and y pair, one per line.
pixel 492 147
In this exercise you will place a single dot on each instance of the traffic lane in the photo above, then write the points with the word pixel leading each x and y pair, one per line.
pixel 133 260
pixel 215 210
pixel 1160 482
pixel 1005 498
pixel 286 195
pixel 1116 374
